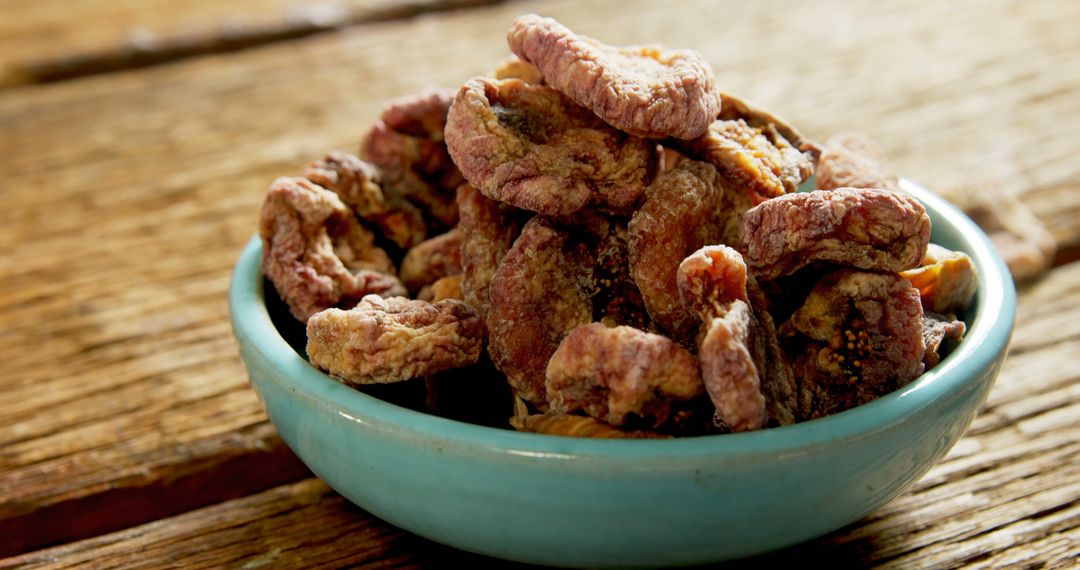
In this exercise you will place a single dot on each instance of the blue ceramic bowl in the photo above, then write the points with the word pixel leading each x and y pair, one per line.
pixel 586 502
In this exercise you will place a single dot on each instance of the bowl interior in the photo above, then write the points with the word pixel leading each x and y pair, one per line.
pixel 989 322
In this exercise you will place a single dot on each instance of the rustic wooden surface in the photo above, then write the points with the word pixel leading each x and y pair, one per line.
pixel 126 422
pixel 51 40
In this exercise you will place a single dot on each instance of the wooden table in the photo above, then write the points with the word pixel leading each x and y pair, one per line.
pixel 137 140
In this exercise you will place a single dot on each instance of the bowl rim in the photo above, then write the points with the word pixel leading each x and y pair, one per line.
pixel 987 337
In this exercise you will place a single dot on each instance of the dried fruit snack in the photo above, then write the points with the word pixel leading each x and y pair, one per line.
pixel 684 209
pixel 489 228
pixel 621 375
pixel 946 279
pixel 741 364
pixel 391 340
pixel 316 253
pixel 432 260
pixel 514 68
pixel 540 292
pixel 936 328
pixel 756 151
pixel 857 227
pixel 622 287
pixel 1022 240
pixel 357 184
pixel 531 147
pixel 853 160
pixel 553 279
pixel 647 91
pixel 407 144
pixel 445 288
pixel 858 336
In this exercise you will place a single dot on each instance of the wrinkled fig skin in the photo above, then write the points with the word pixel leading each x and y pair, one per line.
pixel 851 160
pixel 531 147
pixel 647 91
pixel 356 182
pixel 684 209
pixel 946 280
pixel 489 228
pixel 432 260
pixel 858 336
pixel 615 296
pixel 935 329
pixel 407 144
pixel 778 381
pixel 758 161
pixel 737 108
pixel 620 375
pixel 390 340
pixel 755 151
pixel 711 278
pixel 730 375
pixel 316 253
pixel 447 288
pixel 856 227
pixel 742 365
pixel 540 292
pixel 554 278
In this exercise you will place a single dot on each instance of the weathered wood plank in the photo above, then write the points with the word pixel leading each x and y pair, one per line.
pixel 128 196
pixel 1008 493
pixel 1057 550
pixel 303 525
pixel 52 40
pixel 151 400
pixel 1035 325
pixel 202 472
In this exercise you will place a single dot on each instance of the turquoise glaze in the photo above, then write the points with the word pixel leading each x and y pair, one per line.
pixel 584 502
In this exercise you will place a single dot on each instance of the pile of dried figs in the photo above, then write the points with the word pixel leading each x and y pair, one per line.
pixel 612 247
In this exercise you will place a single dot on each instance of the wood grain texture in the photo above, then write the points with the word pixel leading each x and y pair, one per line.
pixel 303 525
pixel 129 195
pixel 1007 494
pixel 52 40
